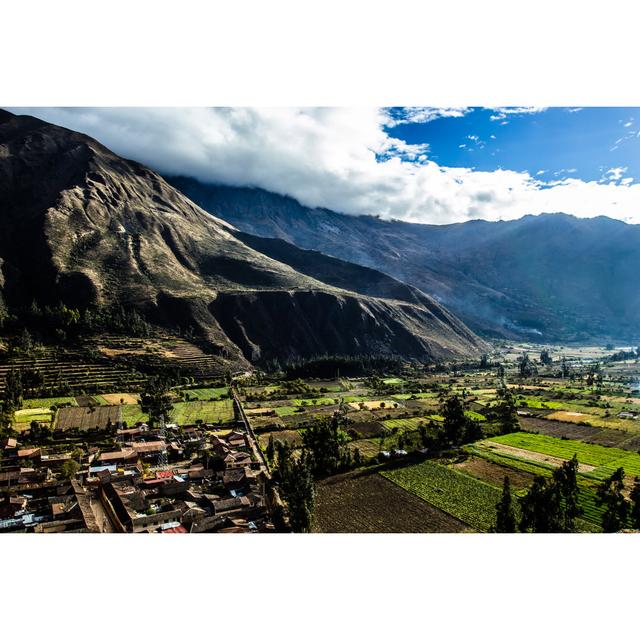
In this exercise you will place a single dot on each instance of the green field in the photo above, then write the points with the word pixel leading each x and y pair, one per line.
pixel 407 396
pixel 207 411
pixel 24 417
pixel 46 403
pixel 210 393
pixel 132 413
pixel 286 411
pixel 539 403
pixel 605 459
pixel 393 381
pixel 411 424
pixel 461 495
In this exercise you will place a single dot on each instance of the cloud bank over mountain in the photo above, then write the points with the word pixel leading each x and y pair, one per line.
pixel 346 159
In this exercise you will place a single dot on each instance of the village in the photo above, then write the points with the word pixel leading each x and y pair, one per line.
pixel 170 478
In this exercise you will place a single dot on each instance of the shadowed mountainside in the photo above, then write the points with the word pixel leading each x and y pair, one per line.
pixel 547 277
pixel 81 225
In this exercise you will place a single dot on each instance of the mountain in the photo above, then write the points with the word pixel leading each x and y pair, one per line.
pixel 81 225
pixel 550 277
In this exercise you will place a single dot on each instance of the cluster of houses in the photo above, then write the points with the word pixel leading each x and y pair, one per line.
pixel 193 479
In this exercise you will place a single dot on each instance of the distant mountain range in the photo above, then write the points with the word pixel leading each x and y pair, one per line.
pixel 550 277
pixel 82 225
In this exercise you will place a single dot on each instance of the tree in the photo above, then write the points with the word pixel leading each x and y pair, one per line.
pixel 325 445
pixel 455 421
pixel 156 399
pixel 506 410
pixel 505 516
pixel 552 506
pixel 635 503
pixel 270 451
pixel 295 479
pixel 566 486
pixel 526 367
pixel 11 399
pixel 538 511
pixel 69 469
pixel 545 357
pixel 610 495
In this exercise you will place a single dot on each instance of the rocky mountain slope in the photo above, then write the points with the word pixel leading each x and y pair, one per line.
pixel 81 225
pixel 548 277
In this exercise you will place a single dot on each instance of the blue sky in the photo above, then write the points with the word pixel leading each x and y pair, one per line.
pixel 584 143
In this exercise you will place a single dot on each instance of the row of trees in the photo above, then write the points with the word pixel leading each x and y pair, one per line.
pixel 551 506
pixel 11 399
pixel 60 322
pixel 324 452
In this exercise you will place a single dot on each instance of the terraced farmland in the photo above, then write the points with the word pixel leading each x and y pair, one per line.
pixel 70 371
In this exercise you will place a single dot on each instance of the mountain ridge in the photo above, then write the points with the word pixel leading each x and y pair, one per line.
pixel 82 225
pixel 550 277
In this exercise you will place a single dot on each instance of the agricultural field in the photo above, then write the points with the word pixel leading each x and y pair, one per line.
pixel 217 412
pixel 47 403
pixel 211 393
pixel 366 502
pixel 120 398
pixel 462 496
pixel 24 417
pixel 411 424
pixel 86 418
pixel 597 462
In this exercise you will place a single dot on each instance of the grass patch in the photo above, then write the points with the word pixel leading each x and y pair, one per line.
pixel 209 393
pixel 47 403
pixel 605 459
pixel 460 495
pixel 207 411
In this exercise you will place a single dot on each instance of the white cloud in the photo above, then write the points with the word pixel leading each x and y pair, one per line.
pixel 614 174
pixel 343 159
pixel 503 113
pixel 404 115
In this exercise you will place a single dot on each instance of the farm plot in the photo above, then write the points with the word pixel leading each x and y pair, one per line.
pixel 459 494
pixel 589 416
pixel 132 414
pixel 86 418
pixel 291 437
pixel 120 398
pixel 47 403
pixel 24 417
pixel 539 403
pixel 417 396
pixel 314 402
pixel 494 474
pixel 368 429
pixel 208 411
pixel 585 433
pixel 373 405
pixel 604 460
pixel 286 411
pixel 411 424
pixel 210 393
pixel 365 502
